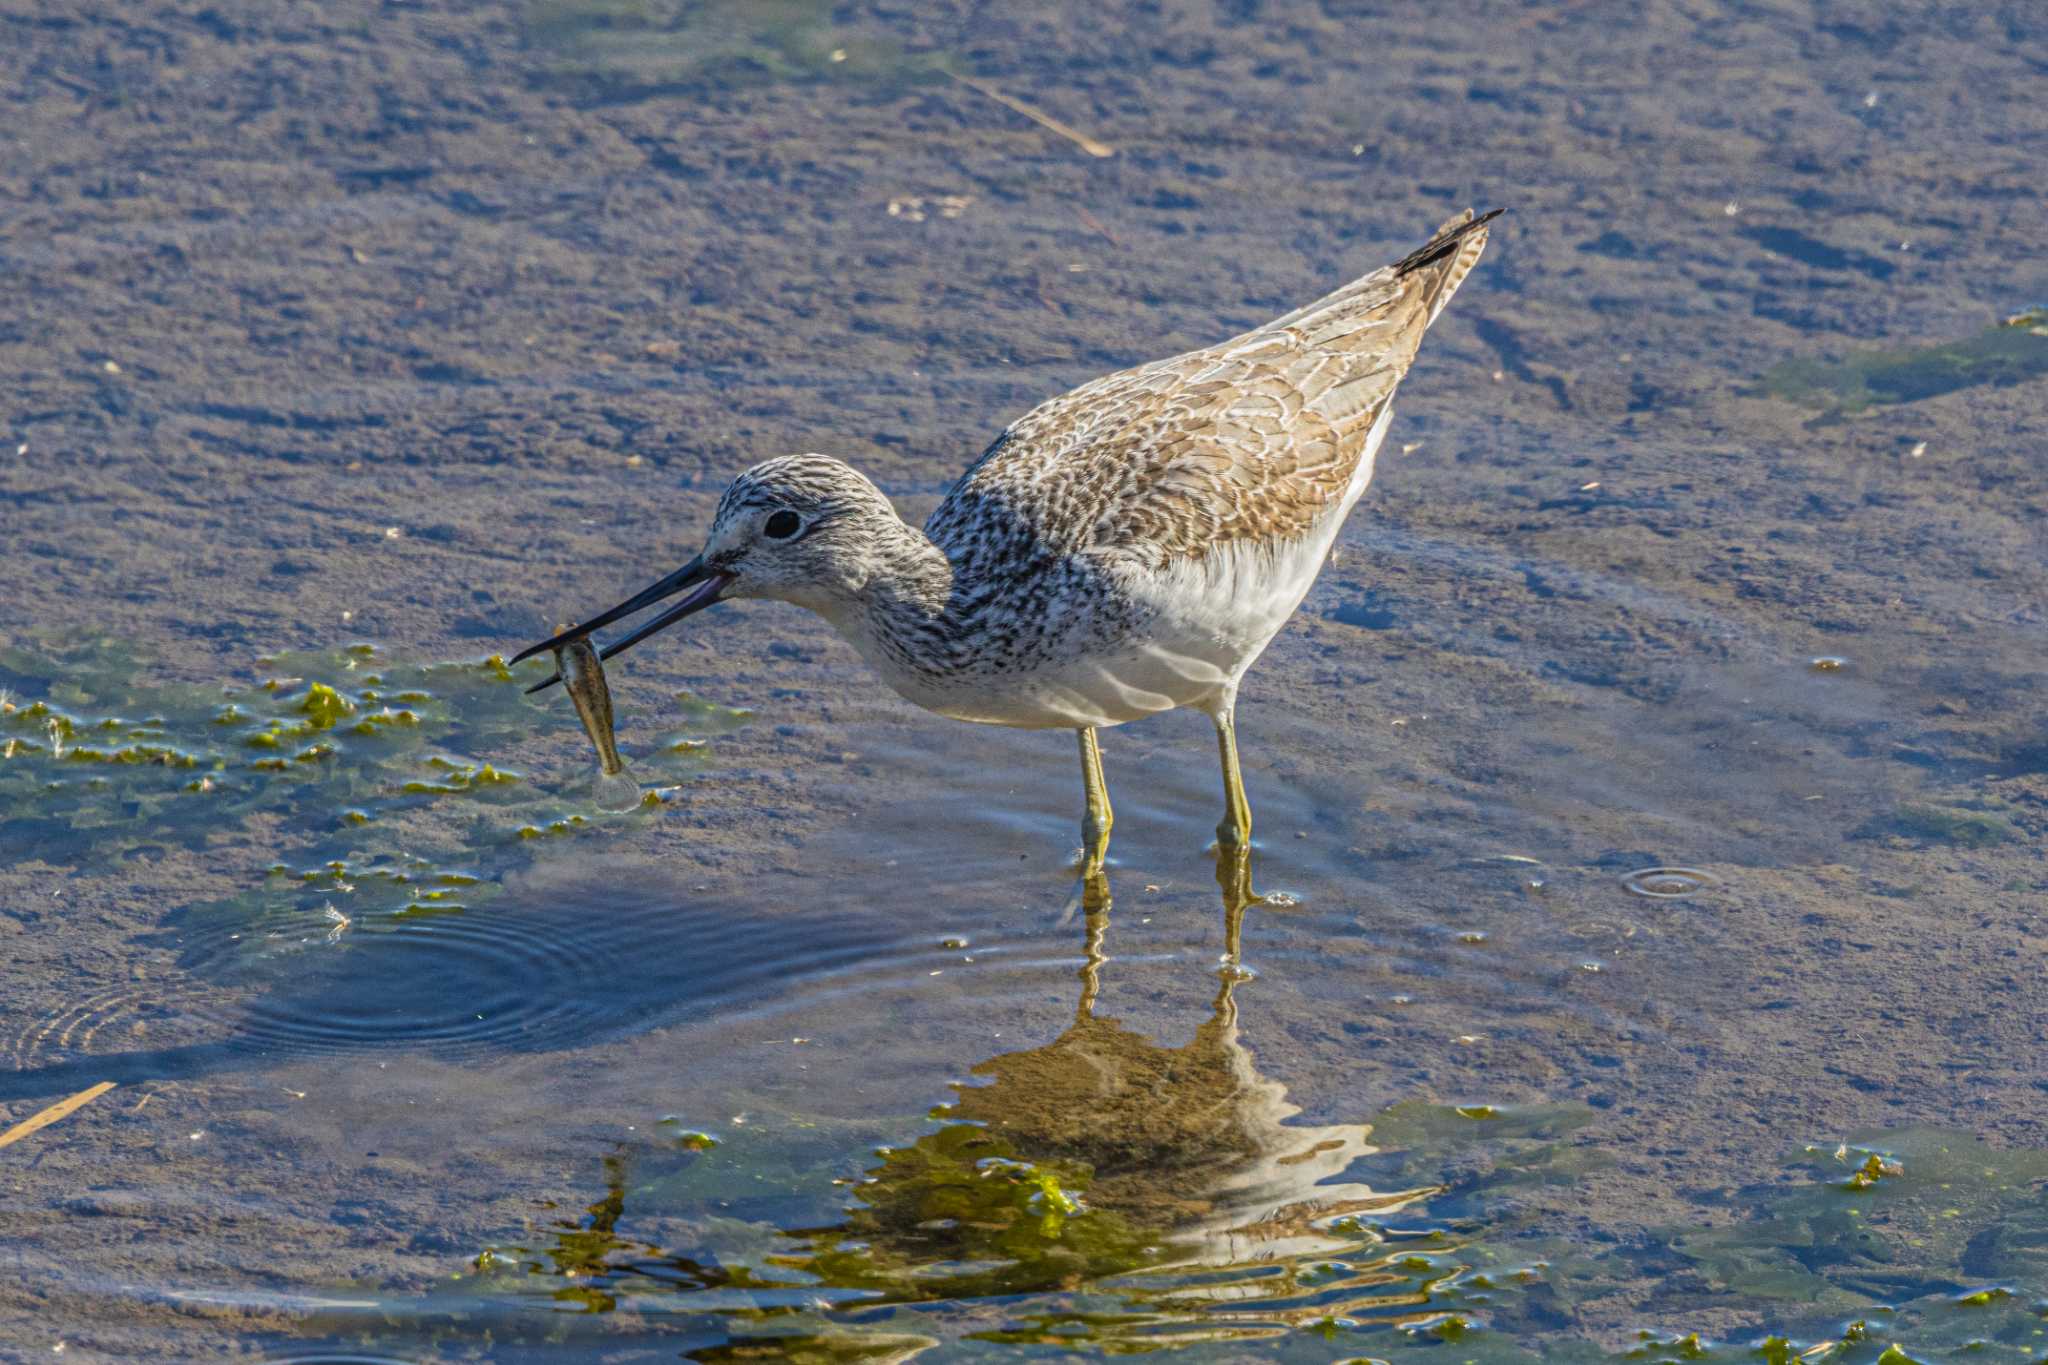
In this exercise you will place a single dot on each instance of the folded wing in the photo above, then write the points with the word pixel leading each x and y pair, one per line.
pixel 1257 438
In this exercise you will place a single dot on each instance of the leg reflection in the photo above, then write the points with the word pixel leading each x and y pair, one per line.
pixel 1234 878
pixel 1091 965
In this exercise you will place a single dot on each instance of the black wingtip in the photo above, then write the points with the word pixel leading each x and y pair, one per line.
pixel 1443 244
pixel 544 685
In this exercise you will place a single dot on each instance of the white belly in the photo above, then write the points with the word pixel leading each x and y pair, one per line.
pixel 1209 620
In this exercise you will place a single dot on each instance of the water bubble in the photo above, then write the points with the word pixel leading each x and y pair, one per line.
pixel 1667 883
pixel 616 792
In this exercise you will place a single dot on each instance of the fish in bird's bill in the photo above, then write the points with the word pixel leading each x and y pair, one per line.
pixel 584 680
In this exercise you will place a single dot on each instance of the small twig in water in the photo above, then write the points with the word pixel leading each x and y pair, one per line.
pixel 1037 116
pixel 61 1109
pixel 1092 221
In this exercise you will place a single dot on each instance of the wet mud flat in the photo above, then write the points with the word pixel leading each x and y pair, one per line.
pixel 349 346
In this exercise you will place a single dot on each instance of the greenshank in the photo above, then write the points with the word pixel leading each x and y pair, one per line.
pixel 1124 549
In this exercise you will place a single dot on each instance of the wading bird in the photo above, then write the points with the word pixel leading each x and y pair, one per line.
pixel 1124 549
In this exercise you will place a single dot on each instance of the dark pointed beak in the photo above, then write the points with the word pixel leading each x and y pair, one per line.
pixel 703 584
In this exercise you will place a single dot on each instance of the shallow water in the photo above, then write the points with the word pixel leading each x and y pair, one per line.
pixel 919 1093
pixel 1646 953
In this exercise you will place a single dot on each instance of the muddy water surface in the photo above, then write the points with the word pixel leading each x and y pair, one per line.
pixel 1648 958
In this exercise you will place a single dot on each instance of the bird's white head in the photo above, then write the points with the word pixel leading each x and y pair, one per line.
pixel 807 529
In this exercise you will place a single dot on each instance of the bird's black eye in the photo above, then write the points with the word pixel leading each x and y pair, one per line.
pixel 782 525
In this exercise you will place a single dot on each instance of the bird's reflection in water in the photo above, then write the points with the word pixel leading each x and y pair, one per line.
pixel 1105 1187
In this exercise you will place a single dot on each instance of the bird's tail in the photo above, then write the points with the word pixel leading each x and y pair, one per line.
pixel 1431 274
pixel 1449 256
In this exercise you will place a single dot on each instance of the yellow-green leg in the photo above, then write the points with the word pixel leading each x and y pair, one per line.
pixel 1095 825
pixel 1235 831
pixel 1234 834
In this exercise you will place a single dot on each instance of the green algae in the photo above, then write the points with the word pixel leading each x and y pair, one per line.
pixel 374 884
pixel 455 776
pixel 309 747
pixel 707 719
pixel 1874 1166
pixel 1970 823
pixel 937 1239
pixel 683 1138
pixel 1113 1193
pixel 1889 1266
pixel 2010 353
pixel 380 812
pixel 614 50
pixel 323 706
pixel 385 719
pixel 565 824
pixel 1927 1254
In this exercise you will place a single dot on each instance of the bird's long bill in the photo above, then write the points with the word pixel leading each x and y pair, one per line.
pixel 703 585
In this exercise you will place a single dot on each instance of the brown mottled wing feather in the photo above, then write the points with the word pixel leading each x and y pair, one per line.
pixel 1254 439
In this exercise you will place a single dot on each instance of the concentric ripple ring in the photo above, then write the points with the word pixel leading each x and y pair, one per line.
pixel 1668 883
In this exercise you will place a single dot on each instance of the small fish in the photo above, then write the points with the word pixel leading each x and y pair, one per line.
pixel 583 679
